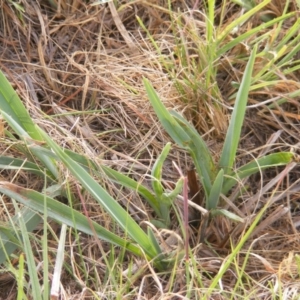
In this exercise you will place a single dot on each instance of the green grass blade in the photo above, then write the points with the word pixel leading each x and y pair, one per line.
pixel 177 190
pixel 115 210
pixel 165 118
pixel 23 134
pixel 157 171
pixel 63 214
pixel 234 130
pixel 225 32
pixel 200 153
pixel 112 174
pixel 262 163
pixel 9 237
pixel 14 112
pixel 11 104
pixel 153 239
pixel 133 185
pixel 215 192
pixel 210 21
pixel 45 251
pixel 30 262
pixel 292 34
pixel 251 32
pixel 12 163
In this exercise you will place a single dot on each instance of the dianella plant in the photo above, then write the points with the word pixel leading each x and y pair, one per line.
pixel 216 177
pixel 41 157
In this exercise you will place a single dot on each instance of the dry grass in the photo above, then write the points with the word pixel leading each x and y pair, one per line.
pixel 79 68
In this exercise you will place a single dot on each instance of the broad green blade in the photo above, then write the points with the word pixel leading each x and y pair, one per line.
pixel 112 174
pixel 237 118
pixel 166 200
pixel 199 152
pixel 177 190
pixel 30 261
pixel 18 117
pixel 63 214
pixel 9 238
pixel 215 191
pixel 23 134
pixel 176 132
pixel 133 185
pixel 11 104
pixel 12 163
pixel 120 215
pixel 262 163
pixel 153 238
pixel 157 171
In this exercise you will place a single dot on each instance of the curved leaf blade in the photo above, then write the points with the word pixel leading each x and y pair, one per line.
pixel 215 192
pixel 235 126
pixel 262 163
pixel 200 154
pixel 63 214
pixel 168 122
pixel 115 210
pixel 157 170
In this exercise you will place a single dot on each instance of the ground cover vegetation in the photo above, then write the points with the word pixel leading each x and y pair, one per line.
pixel 149 149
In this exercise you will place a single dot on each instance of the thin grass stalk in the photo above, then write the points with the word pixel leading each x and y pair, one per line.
pixel 241 243
pixel 34 283
pixel 235 126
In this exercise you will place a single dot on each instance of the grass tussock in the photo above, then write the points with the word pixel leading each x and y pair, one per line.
pixel 79 70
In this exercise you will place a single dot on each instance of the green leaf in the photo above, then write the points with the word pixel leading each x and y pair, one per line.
pixel 199 152
pixel 115 210
pixel 49 164
pixel 112 174
pixel 33 275
pixel 11 104
pixel 177 190
pixel 153 239
pixel 63 214
pixel 240 20
pixel 157 171
pixel 241 38
pixel 159 224
pixel 262 163
pixel 9 241
pixel 12 163
pixel 215 191
pixel 168 122
pixel 132 184
pixel 15 113
pixel 234 130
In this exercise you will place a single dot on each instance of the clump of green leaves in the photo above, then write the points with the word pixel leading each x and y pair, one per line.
pixel 216 177
pixel 43 162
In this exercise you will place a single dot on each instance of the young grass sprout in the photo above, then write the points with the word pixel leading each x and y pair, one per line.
pixel 217 178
